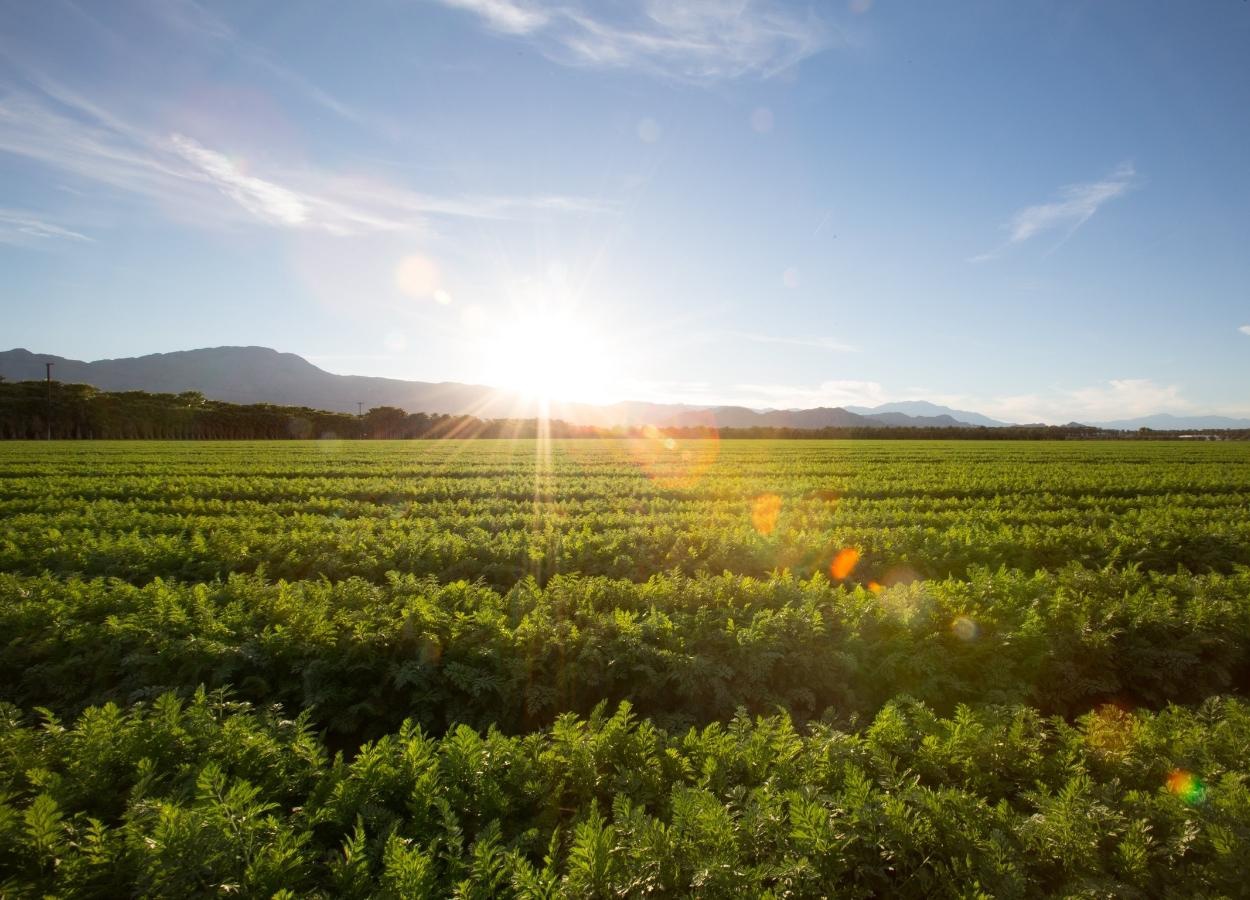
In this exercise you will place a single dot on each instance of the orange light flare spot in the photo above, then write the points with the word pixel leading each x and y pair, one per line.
pixel 765 509
pixel 1187 786
pixel 876 587
pixel 844 563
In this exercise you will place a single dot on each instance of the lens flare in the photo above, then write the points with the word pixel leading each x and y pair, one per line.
pixel 1187 786
pixel 899 575
pixel 417 276
pixel 965 629
pixel 764 512
pixel 876 587
pixel 329 442
pixel 844 563
pixel 544 349
pixel 675 463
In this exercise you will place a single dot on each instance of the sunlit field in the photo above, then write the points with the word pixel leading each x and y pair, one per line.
pixel 624 668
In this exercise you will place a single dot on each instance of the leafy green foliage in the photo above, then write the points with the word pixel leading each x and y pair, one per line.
pixel 908 805
pixel 456 669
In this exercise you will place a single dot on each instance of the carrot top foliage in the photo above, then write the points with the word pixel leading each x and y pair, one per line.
pixel 624 668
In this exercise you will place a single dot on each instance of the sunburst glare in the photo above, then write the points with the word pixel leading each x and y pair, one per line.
pixel 547 349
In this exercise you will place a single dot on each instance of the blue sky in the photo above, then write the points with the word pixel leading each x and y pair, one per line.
pixel 1036 210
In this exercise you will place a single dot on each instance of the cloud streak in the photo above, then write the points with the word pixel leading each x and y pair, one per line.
pixel 21 228
pixel 1076 205
pixel 1118 398
pixel 63 130
pixel 191 18
pixel 503 15
pixel 1244 329
pixel 695 40
pixel 264 199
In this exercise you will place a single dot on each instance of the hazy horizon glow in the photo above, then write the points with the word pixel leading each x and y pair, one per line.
pixel 1034 212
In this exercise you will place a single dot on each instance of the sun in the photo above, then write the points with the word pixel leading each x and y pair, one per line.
pixel 549 354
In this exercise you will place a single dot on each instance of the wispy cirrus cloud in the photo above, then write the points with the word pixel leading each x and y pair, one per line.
pixel 1076 205
pixel 66 131
pixel 696 40
pixel 204 26
pixel 21 228
pixel 264 199
pixel 504 15
pixel 1244 329
pixel 1117 398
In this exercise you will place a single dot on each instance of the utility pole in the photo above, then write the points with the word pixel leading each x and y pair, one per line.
pixel 360 408
pixel 49 366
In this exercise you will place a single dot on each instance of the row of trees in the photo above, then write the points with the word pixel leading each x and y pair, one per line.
pixel 32 410
pixel 79 411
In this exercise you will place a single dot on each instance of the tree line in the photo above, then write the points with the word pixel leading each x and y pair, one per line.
pixel 32 410
pixel 80 411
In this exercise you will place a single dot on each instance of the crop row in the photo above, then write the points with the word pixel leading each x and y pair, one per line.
pixel 618 468
pixel 139 546
pixel 360 657
pixel 209 797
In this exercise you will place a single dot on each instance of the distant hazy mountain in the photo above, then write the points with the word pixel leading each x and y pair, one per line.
pixel 261 375
pixel 1169 422
pixel 257 375
pixel 742 417
pixel 924 408
pixel 820 417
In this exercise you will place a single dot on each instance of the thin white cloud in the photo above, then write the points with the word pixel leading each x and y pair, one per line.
pixel 698 40
pixel 202 24
pixel 1120 398
pixel 1244 329
pixel 18 227
pixel 1076 205
pixel 504 15
pixel 264 199
pixel 65 131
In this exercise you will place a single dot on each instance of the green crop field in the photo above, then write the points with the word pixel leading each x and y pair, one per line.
pixel 607 668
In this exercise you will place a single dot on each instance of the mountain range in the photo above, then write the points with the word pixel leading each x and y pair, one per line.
pixel 263 375
pixel 923 408
pixel 1169 422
